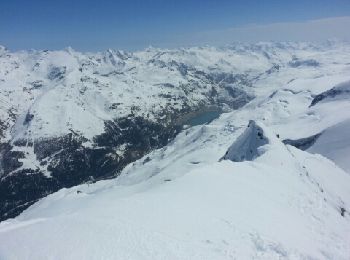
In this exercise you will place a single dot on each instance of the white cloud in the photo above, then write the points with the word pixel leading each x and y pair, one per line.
pixel 313 30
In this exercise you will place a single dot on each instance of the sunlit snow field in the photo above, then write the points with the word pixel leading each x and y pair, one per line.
pixel 183 202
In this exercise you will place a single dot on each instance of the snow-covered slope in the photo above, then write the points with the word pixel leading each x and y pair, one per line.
pixel 334 143
pixel 180 202
pixel 176 196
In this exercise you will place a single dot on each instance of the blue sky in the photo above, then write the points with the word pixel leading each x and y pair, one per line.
pixel 135 24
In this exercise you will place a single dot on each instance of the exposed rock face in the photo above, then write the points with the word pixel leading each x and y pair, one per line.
pixel 303 143
pixel 341 91
pixel 246 147
pixel 298 63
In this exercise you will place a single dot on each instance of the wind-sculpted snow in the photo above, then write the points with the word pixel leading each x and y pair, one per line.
pixel 247 146
pixel 68 118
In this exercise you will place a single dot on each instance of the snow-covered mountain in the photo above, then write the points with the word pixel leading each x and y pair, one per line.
pixel 268 179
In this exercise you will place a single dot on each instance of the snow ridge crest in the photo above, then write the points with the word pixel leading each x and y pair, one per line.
pixel 246 147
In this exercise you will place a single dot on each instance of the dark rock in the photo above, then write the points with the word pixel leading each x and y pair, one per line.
pixel 342 212
pixel 332 93
pixel 28 118
pixel 57 73
pixel 295 63
pixel 37 84
pixel 303 143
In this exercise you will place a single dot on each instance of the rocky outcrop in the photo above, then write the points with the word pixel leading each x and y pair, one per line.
pixel 295 63
pixel 246 147
pixel 340 91
pixel 303 143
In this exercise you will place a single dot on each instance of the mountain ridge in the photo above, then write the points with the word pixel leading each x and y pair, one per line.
pixel 69 117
